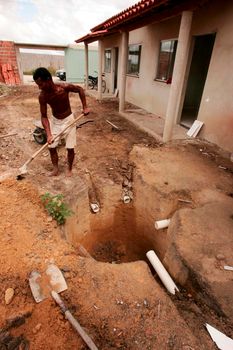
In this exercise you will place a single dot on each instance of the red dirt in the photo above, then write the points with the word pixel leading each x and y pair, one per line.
pixel 121 306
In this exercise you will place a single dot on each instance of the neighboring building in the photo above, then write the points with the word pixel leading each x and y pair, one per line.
pixel 173 59
pixel 13 63
pixel 31 61
pixel 75 62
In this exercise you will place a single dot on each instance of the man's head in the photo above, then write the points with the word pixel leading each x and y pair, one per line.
pixel 43 79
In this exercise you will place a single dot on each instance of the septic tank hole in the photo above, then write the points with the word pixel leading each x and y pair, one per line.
pixel 121 242
pixel 116 249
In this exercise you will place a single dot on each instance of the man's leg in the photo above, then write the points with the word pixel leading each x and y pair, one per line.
pixel 70 160
pixel 54 160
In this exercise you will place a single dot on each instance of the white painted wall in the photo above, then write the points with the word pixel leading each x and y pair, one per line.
pixel 145 91
pixel 216 110
pixel 110 43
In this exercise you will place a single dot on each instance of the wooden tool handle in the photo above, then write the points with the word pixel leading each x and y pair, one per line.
pixel 54 138
pixel 80 330
pixel 73 321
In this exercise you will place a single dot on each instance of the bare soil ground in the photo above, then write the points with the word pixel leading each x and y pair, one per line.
pixel 121 306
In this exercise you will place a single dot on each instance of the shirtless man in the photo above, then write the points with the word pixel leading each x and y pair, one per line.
pixel 57 97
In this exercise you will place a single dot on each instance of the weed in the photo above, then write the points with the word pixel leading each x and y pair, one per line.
pixel 56 207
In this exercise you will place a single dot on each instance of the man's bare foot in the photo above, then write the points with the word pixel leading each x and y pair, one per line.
pixel 69 173
pixel 55 172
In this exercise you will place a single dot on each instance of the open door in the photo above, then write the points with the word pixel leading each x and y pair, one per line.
pixel 202 52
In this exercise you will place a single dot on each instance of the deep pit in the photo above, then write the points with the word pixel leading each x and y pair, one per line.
pixel 121 241
pixel 122 232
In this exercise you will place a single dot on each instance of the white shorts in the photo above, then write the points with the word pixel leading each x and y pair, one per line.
pixel 57 125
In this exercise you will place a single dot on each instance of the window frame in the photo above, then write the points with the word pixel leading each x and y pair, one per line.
pixel 130 71
pixel 165 75
pixel 107 60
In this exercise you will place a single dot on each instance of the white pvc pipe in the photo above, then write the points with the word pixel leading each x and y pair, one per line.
pixel 162 272
pixel 162 224
pixel 126 199
pixel 95 207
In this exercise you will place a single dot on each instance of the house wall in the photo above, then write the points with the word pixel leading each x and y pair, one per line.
pixel 143 90
pixel 152 95
pixel 110 43
pixel 216 110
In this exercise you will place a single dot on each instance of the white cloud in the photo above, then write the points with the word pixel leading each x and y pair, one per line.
pixel 54 21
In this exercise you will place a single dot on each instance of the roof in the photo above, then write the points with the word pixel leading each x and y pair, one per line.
pixel 129 13
pixel 142 13
pixel 40 46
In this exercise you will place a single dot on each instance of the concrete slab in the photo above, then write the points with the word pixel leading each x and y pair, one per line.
pixel 150 123
pixel 199 240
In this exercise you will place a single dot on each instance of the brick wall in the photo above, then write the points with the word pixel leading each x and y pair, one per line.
pixel 9 72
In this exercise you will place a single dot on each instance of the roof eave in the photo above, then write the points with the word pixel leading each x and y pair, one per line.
pixel 90 37
pixel 132 12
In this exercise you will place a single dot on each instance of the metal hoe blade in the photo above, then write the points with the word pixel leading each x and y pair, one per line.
pixel 42 286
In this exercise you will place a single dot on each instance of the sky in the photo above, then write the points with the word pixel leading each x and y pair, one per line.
pixel 54 21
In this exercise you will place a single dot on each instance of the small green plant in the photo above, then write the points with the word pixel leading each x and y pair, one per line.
pixel 56 207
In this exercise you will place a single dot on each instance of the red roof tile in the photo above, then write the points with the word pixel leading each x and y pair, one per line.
pixel 129 13
pixel 139 14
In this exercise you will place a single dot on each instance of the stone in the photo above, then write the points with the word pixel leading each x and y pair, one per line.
pixel 38 327
pixel 9 294
pixel 220 257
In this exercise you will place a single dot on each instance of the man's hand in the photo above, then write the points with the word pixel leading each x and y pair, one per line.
pixel 86 111
pixel 50 139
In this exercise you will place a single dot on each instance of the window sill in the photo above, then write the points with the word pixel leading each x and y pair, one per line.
pixel 168 81
pixel 132 75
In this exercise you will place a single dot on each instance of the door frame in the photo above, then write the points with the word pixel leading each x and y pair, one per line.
pixel 187 74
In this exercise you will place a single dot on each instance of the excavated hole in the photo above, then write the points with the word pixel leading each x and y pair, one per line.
pixel 124 232
pixel 124 240
pixel 127 234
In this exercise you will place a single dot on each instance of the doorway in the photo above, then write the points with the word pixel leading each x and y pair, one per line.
pixel 202 52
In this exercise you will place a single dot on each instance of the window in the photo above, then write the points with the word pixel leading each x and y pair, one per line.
pixel 134 55
pixel 107 61
pixel 166 61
